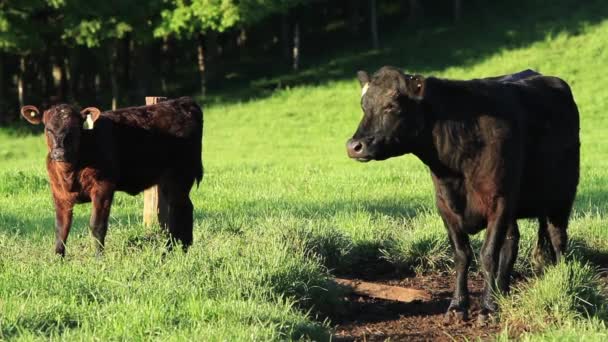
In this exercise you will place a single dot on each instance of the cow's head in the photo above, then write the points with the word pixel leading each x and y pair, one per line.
pixel 392 115
pixel 63 125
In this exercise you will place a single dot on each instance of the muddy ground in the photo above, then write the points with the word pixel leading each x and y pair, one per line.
pixel 368 319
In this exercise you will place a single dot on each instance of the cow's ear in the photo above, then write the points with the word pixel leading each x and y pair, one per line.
pixel 363 78
pixel 90 115
pixel 415 86
pixel 31 114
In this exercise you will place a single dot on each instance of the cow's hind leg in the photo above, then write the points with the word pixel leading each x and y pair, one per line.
pixel 543 253
pixel 490 257
pixel 180 210
pixel 508 255
pixel 558 226
pixel 163 206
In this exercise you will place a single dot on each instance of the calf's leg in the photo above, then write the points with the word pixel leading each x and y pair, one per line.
pixel 63 223
pixel 164 204
pixel 558 233
pixel 100 213
pixel 543 253
pixel 181 221
pixel 180 210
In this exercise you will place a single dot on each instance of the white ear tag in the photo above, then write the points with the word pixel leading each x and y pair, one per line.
pixel 88 122
pixel 364 89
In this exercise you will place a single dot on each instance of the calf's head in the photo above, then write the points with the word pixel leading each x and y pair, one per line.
pixel 392 115
pixel 63 125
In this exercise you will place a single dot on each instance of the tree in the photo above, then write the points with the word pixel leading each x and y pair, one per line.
pixel 457 10
pixel 26 28
pixel 196 18
pixel 106 24
pixel 374 24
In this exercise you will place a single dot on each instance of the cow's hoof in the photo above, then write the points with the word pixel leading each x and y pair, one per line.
pixel 60 251
pixel 455 316
pixel 486 318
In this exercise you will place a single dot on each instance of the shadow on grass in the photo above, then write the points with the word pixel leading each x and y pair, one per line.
pixel 45 324
pixel 580 248
pixel 486 30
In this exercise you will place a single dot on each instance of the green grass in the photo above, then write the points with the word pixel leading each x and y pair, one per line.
pixel 282 208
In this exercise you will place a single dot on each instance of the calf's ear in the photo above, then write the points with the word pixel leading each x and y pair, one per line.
pixel 363 78
pixel 31 114
pixel 90 115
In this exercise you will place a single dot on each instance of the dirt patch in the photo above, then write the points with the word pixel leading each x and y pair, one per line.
pixel 367 319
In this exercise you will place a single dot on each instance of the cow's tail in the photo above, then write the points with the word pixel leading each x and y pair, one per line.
pixel 199 145
pixel 196 111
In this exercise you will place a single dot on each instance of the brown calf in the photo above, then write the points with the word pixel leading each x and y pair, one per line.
pixel 93 154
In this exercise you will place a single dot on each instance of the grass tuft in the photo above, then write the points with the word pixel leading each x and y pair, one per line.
pixel 567 292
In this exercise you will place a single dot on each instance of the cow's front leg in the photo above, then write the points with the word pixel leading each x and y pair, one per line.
pixel 490 255
pixel 100 213
pixel 463 253
pixel 63 223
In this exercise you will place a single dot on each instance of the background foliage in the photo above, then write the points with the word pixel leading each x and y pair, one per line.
pixel 114 52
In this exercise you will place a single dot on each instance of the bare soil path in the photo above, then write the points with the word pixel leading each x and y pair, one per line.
pixel 367 319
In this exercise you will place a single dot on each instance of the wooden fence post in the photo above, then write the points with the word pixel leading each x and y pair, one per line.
pixel 155 205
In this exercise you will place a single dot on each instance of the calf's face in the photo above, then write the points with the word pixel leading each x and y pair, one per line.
pixel 63 125
pixel 392 119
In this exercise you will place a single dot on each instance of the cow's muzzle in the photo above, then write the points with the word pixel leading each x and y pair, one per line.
pixel 58 154
pixel 357 149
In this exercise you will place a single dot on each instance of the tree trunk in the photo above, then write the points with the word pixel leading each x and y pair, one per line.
pixel 142 83
pixel 127 70
pixel 113 77
pixel 201 64
pixel 66 78
pixel 40 83
pixel 374 24
pixel 296 46
pixel 2 83
pixel 211 43
pixel 57 62
pixel 457 10
pixel 241 39
pixel 20 77
pixel 285 36
pixel 164 51
pixel 415 11
pixel 354 17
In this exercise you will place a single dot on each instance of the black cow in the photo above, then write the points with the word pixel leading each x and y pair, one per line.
pixel 93 154
pixel 498 149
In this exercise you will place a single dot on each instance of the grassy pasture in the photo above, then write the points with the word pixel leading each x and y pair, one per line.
pixel 282 208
